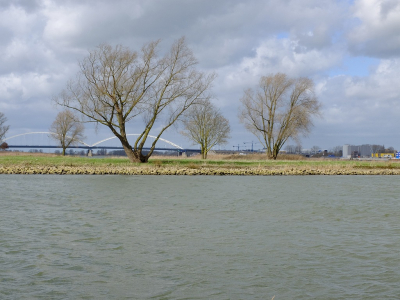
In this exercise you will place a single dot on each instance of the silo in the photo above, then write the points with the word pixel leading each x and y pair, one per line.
pixel 346 151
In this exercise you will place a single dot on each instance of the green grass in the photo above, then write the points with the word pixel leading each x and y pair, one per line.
pixel 216 161
pixel 61 161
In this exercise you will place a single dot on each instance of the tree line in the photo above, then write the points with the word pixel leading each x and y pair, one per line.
pixel 116 85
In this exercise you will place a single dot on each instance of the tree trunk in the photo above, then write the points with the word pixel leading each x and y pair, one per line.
pixel 275 153
pixel 140 157
pixel 270 153
pixel 132 156
pixel 203 152
pixel 135 156
pixel 63 151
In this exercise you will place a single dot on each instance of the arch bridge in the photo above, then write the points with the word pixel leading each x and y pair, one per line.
pixel 90 148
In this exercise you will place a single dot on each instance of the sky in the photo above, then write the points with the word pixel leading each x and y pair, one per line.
pixel 349 48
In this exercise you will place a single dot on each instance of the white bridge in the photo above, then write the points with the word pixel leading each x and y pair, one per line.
pixel 36 142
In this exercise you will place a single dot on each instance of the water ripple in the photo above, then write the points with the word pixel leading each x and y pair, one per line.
pixel 171 237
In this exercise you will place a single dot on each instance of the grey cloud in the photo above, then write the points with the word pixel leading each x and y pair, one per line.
pixel 6 36
pixel 27 5
pixel 240 40
pixel 360 109
pixel 377 33
pixel 380 47
pixel 388 6
pixel 319 38
pixel 210 26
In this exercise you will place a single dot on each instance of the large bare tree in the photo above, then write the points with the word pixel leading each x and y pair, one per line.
pixel 205 125
pixel 67 129
pixel 115 85
pixel 3 128
pixel 281 108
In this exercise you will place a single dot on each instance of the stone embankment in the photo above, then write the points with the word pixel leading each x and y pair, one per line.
pixel 167 170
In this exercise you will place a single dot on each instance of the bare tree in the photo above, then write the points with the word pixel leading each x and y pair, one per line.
pixel 115 85
pixel 315 149
pixel 205 125
pixel 3 146
pixel 390 149
pixel 280 109
pixel 67 129
pixel 3 128
pixel 337 150
pixel 290 149
pixel 298 149
pixel 377 148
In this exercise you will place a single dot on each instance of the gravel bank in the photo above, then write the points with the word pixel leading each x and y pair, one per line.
pixel 87 170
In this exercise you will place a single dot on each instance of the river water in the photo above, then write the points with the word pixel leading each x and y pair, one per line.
pixel 199 237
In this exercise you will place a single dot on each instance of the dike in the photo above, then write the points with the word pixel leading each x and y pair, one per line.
pixel 218 171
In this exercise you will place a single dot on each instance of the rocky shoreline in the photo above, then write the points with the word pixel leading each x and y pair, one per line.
pixel 219 171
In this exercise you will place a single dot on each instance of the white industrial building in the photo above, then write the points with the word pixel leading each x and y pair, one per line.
pixel 357 151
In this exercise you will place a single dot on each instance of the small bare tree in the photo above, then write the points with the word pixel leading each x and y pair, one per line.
pixel 67 129
pixel 337 150
pixel 205 125
pixel 377 149
pixel 3 146
pixel 115 85
pixel 315 149
pixel 298 149
pixel 290 149
pixel 280 109
pixel 3 128
pixel 390 149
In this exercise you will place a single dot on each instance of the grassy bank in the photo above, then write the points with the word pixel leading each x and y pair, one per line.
pixel 26 163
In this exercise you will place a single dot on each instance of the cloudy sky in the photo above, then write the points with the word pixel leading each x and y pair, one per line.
pixel 351 49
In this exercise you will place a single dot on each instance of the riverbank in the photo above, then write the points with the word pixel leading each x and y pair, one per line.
pixel 216 165
pixel 66 170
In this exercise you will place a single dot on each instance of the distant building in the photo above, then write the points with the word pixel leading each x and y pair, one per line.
pixel 386 155
pixel 350 151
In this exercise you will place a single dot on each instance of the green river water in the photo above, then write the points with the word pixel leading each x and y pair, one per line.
pixel 199 237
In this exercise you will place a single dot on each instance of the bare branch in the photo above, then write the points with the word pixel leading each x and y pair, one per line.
pixel 280 109
pixel 3 128
pixel 205 125
pixel 67 128
pixel 116 85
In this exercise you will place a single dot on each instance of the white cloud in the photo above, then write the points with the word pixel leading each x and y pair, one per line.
pixel 361 109
pixel 378 31
pixel 41 42
pixel 278 55
pixel 16 89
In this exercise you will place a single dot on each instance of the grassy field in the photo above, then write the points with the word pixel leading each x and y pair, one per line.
pixel 214 161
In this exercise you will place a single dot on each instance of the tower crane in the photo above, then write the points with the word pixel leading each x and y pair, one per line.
pixel 252 143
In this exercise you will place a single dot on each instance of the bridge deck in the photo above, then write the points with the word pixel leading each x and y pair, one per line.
pixel 98 147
